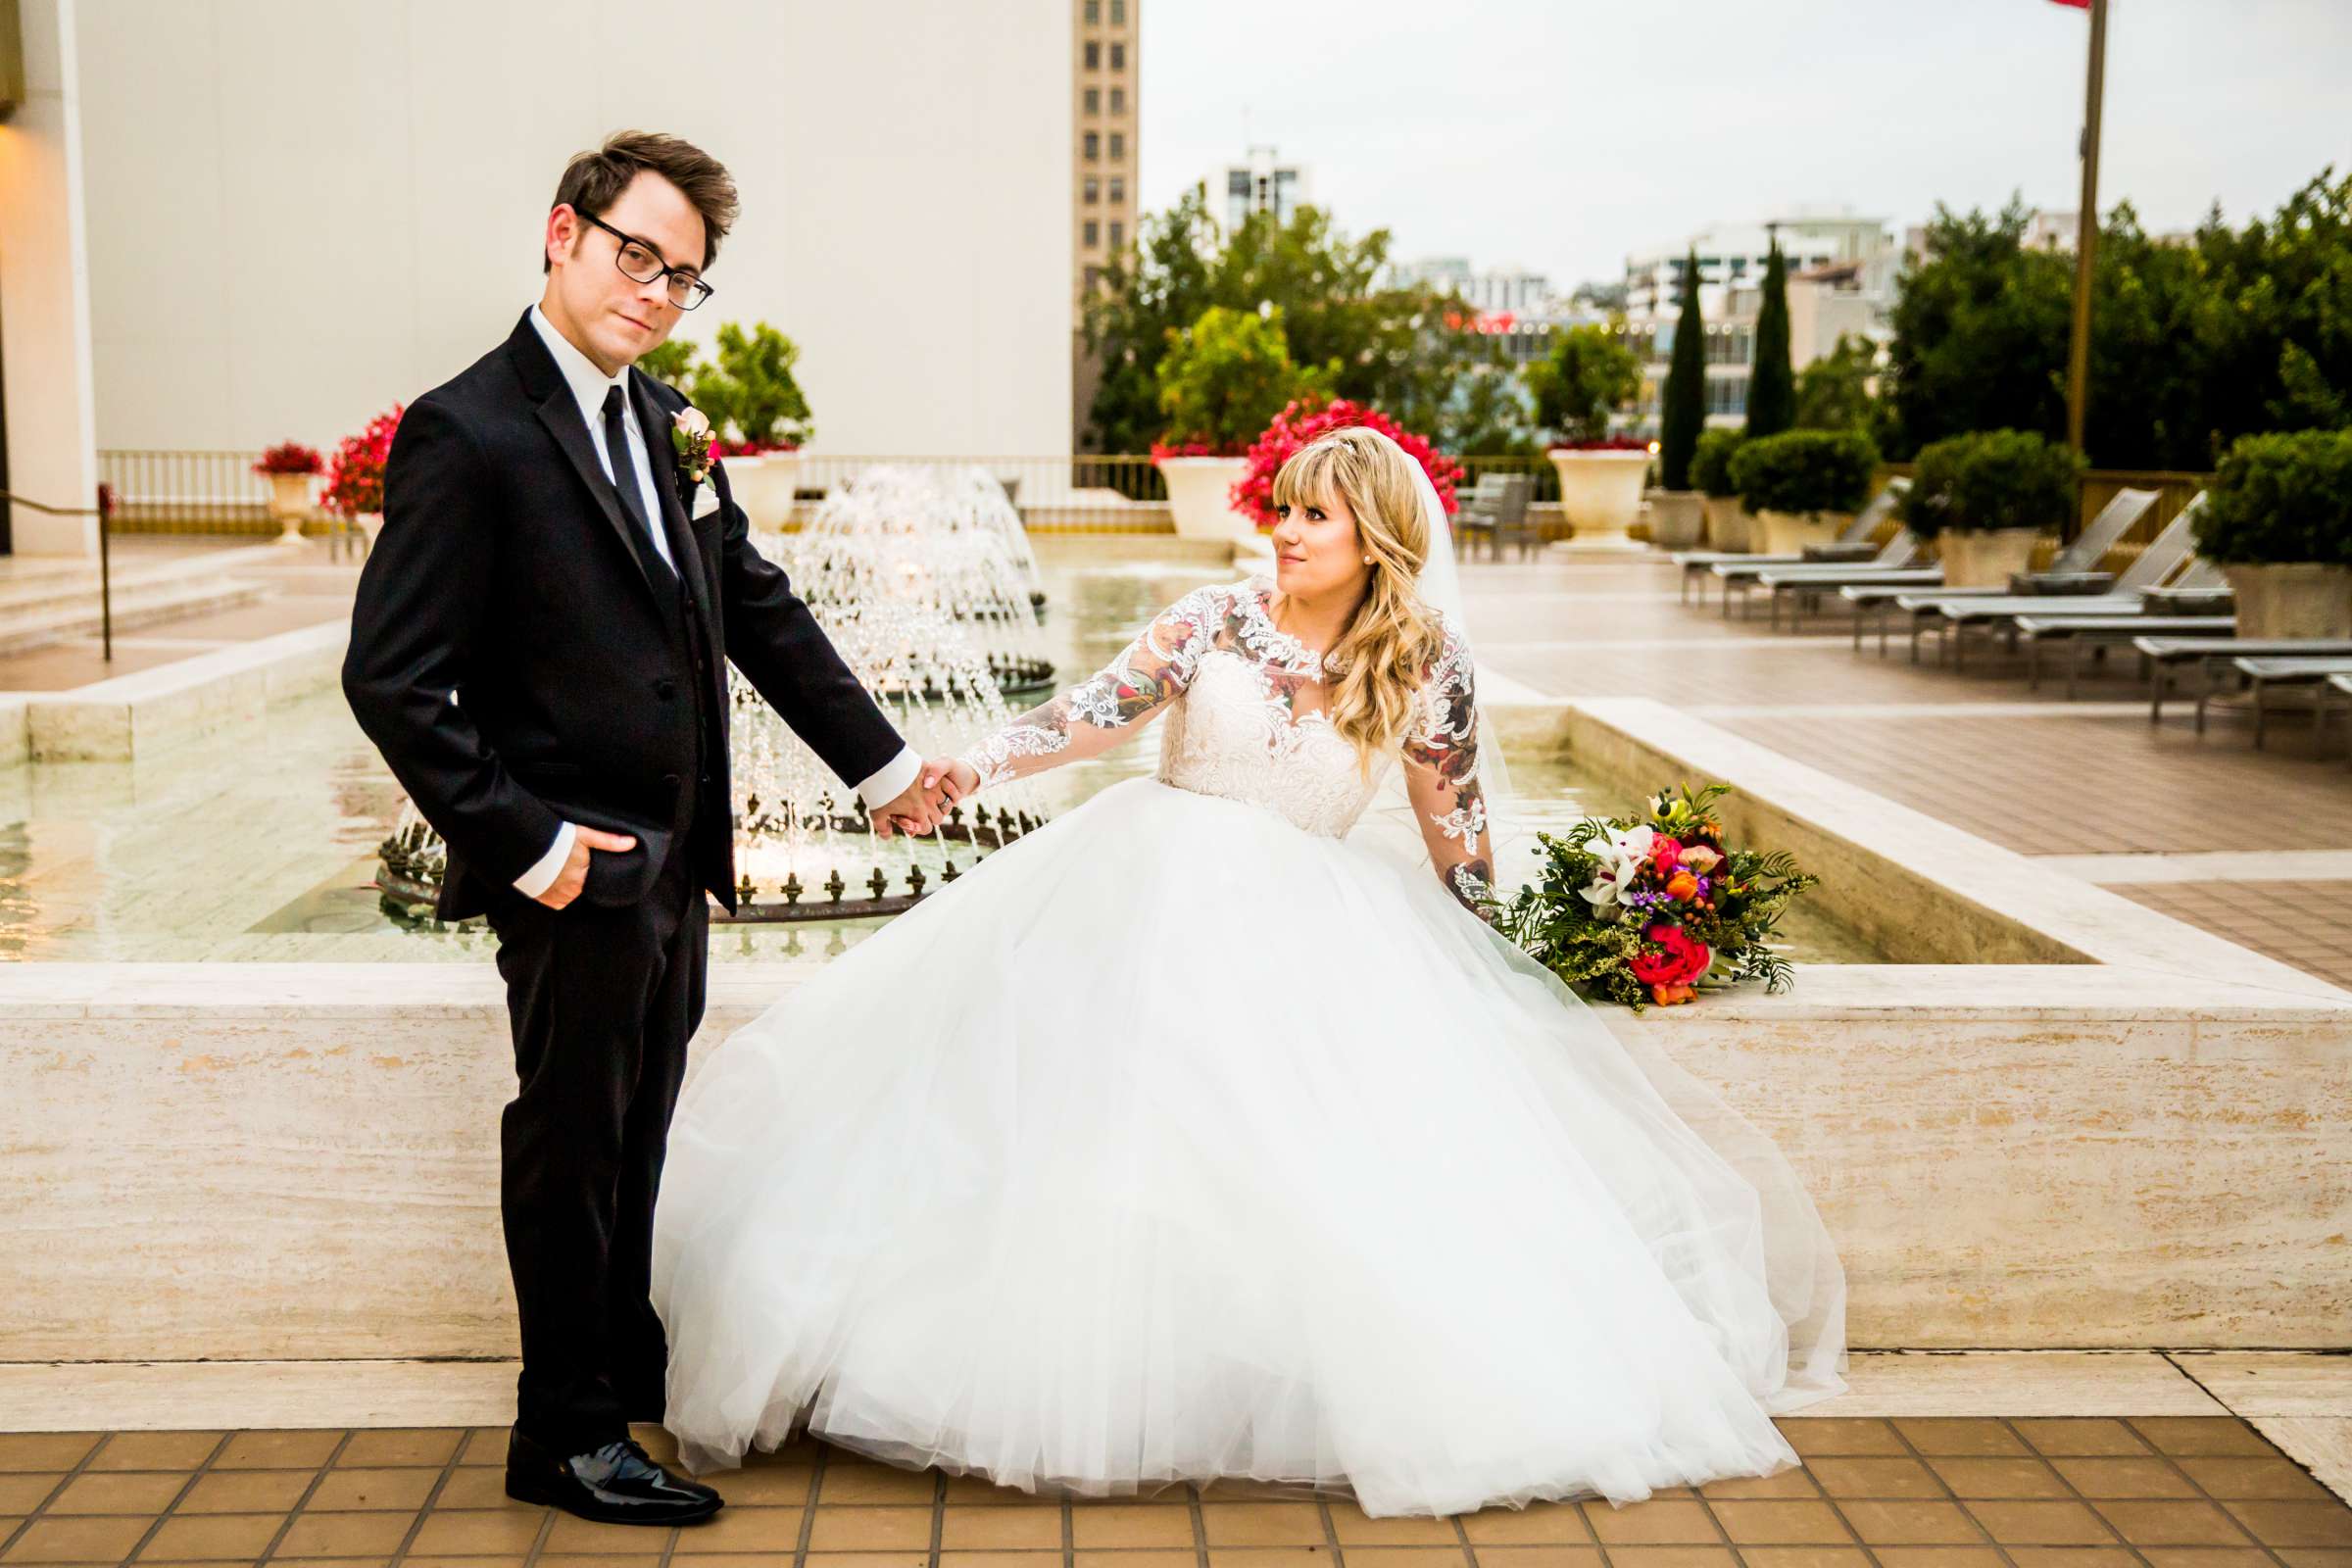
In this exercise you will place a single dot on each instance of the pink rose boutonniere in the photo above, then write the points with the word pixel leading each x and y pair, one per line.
pixel 689 434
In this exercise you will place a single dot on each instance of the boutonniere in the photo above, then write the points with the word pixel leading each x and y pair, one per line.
pixel 690 434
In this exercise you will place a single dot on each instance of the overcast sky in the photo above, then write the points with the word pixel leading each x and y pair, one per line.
pixel 1560 135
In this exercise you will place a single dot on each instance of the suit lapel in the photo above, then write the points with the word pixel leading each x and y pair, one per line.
pixel 559 411
pixel 663 454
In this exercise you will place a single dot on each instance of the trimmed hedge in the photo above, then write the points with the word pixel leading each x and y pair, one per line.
pixel 1993 480
pixel 1711 462
pixel 1805 470
pixel 2281 497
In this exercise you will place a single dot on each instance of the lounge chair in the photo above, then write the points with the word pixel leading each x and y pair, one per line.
pixel 1495 509
pixel 2171 552
pixel 2165 654
pixel 1901 563
pixel 1852 544
pixel 2330 689
pixel 2262 675
pixel 2073 570
pixel 2077 632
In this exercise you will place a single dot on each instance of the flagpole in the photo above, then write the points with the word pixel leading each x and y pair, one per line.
pixel 2087 237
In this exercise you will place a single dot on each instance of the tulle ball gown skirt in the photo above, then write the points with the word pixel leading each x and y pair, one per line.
pixel 1176 1143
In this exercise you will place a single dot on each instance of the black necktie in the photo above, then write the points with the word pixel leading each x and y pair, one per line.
pixel 624 472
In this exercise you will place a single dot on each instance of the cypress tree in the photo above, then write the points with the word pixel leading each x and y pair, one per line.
pixel 1685 412
pixel 1772 387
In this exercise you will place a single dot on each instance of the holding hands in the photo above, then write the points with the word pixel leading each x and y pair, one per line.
pixel 920 807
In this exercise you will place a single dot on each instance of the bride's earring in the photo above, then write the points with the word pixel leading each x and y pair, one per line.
pixel 1367 560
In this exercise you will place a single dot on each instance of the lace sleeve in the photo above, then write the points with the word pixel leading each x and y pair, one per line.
pixel 1098 713
pixel 1440 774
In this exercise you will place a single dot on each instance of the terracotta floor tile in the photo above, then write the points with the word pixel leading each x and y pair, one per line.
pixel 241 1536
pixel 1788 1523
pixel 1407 1557
pixel 1555 1556
pixel 2314 1556
pixel 2079 1436
pixel 2042 1524
pixel 2204 1436
pixel 1270 1557
pixel 1961 1436
pixel 1262 1524
pixel 1940 1557
pixel 2295 1524
pixel 629 1559
pixel 920 1558
pixel 1658 1522
pixel 245 1492
pixel 1539 1524
pixel 353 1535
pixel 1155 1557
pixel 863 1528
pixel 1839 1436
pixel 1999 1478
pixel 485 1446
pixel 778 1530
pixel 2171 1522
pixel 1805 1556
pixel 45 1450
pixel 472 1486
pixel 1125 1525
pixel 2072 1558
pixel 875 1484
pixel 471 1531
pixel 347 1486
pixel 1244 1490
pixel 156 1450
pixel 1355 1528
pixel 1796 1483
pixel 570 1534
pixel 2230 1476
pixel 1874 1478
pixel 1008 1559
pixel 104 1539
pixel 2123 1478
pixel 22 1491
pixel 1909 1522
pixel 140 1492
pixel 2205 1556
pixel 305 1450
pixel 991 1529
pixel 402 1446
pixel 1691 1556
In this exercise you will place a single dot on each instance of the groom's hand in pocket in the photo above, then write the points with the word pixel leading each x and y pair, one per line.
pixel 574 875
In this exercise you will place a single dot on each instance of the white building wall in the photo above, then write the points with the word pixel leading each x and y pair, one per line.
pixel 302 211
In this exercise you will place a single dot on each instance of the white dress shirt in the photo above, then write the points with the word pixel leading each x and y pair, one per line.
pixel 589 386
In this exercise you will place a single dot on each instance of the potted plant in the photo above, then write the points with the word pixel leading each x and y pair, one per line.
pixel 1676 510
pixel 1803 487
pixel 1986 498
pixel 355 474
pixel 759 414
pixel 289 467
pixel 1221 379
pixel 2278 519
pixel 1728 526
pixel 1587 374
pixel 1302 422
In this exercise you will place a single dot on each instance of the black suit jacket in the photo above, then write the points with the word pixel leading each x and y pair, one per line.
pixel 505 574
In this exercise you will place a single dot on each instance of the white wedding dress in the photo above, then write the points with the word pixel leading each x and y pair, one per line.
pixel 1187 1137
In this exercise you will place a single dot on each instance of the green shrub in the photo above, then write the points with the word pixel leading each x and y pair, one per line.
pixel 1993 480
pixel 1588 372
pixel 1805 470
pixel 1711 462
pixel 750 395
pixel 1224 378
pixel 2281 497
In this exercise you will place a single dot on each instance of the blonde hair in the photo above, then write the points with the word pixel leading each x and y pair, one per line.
pixel 1389 647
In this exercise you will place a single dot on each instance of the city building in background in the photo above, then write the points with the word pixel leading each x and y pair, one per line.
pixel 1262 181
pixel 1105 154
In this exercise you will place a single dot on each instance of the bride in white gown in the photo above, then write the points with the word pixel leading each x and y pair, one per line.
pixel 1189 1137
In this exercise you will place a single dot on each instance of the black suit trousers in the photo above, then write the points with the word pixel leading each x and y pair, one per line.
pixel 601 1000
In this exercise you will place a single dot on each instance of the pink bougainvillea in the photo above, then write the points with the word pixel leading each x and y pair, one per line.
pixel 1301 422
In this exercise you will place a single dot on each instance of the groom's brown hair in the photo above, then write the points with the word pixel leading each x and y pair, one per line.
pixel 593 181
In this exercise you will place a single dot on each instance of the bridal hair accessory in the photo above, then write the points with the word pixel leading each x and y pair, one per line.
pixel 690 434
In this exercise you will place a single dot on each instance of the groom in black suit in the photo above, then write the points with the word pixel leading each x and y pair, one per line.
pixel 540 648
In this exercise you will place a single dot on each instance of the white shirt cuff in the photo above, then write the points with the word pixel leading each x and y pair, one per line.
pixel 889 782
pixel 542 876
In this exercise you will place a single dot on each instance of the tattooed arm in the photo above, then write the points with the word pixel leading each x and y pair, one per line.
pixel 1095 716
pixel 1441 775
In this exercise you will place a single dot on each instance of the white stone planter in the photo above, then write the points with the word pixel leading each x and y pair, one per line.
pixel 1984 558
pixel 1675 518
pixel 1728 526
pixel 1787 533
pixel 763 487
pixel 1600 493
pixel 2291 599
pixel 1197 492
pixel 289 503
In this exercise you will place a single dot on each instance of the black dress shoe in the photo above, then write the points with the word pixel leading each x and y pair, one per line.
pixel 617 1484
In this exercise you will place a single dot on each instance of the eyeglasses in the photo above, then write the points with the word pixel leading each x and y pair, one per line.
pixel 639 264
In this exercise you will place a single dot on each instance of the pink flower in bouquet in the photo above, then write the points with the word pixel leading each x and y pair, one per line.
pixel 1700 858
pixel 1665 854
pixel 1300 424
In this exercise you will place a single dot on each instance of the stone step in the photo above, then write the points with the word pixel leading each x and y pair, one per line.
pixel 177 596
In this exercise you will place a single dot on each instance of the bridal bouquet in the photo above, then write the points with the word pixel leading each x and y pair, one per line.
pixel 1653 909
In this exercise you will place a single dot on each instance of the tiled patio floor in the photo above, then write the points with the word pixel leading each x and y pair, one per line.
pixel 2181 1491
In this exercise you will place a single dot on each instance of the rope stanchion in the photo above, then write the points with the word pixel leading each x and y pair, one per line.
pixel 104 511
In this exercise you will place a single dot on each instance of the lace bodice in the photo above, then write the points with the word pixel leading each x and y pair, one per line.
pixel 1247 721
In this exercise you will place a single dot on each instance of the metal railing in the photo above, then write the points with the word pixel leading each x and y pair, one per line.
pixel 104 511
pixel 188 492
